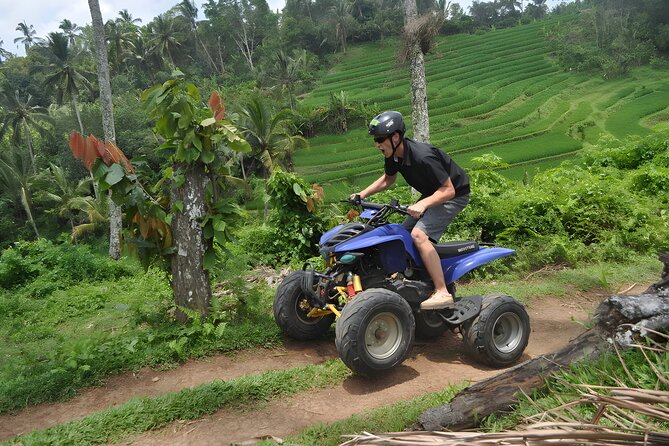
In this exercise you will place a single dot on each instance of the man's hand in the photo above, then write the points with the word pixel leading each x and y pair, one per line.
pixel 417 210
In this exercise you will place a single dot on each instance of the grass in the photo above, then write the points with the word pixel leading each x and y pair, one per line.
pixel 389 418
pixel 141 415
pixel 634 369
pixel 566 282
pixel 56 341
pixel 497 92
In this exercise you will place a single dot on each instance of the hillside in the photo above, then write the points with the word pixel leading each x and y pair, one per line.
pixel 498 92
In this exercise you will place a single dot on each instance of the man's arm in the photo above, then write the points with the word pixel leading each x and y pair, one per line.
pixel 381 184
pixel 441 195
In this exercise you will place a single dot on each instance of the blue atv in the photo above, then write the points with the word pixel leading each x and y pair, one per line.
pixel 373 286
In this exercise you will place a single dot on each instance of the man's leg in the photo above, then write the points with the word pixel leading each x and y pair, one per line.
pixel 441 297
pixel 431 225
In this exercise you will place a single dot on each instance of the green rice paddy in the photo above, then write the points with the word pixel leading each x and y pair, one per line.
pixel 499 93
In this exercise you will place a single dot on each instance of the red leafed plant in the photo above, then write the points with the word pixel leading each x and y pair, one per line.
pixel 89 148
pixel 216 105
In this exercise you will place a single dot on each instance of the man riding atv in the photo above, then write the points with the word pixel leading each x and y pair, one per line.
pixel 444 188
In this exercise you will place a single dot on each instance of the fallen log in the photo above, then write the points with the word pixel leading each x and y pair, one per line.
pixel 620 319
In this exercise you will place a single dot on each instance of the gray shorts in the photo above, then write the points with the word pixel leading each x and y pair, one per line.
pixel 436 219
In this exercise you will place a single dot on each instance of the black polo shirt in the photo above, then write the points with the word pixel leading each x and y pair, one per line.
pixel 426 169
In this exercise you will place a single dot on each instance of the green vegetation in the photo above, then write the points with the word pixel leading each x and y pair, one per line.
pixel 496 92
pixel 389 418
pixel 508 102
pixel 632 369
pixel 73 317
pixel 143 414
pixel 635 368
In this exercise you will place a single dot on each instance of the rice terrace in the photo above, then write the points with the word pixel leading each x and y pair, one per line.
pixel 499 92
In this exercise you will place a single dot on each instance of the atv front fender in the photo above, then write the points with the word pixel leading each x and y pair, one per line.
pixel 456 267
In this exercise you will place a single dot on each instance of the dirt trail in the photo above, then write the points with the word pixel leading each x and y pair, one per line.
pixel 432 366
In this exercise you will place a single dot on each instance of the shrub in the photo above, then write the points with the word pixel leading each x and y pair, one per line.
pixel 43 267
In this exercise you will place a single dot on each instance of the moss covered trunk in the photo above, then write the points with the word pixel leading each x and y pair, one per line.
pixel 190 280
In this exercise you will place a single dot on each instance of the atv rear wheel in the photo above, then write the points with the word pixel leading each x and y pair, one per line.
pixel 429 324
pixel 291 307
pixel 375 331
pixel 500 332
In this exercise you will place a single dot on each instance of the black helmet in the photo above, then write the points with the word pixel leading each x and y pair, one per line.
pixel 386 124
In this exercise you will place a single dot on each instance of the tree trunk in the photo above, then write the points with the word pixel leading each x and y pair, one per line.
pixel 75 105
pixel 115 214
pixel 25 200
pixel 419 114
pixel 190 280
pixel 620 319
pixel 30 147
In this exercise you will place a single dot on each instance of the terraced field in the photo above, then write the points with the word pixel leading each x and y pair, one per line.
pixel 499 92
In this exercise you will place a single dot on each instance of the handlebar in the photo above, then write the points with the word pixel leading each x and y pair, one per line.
pixel 394 205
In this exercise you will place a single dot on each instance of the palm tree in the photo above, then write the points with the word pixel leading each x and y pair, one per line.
pixel 537 10
pixel 125 17
pixel 17 174
pixel 96 211
pixel 71 31
pixel 4 54
pixel 269 134
pixel 28 38
pixel 188 11
pixel 107 118
pixel 62 76
pixel 287 72
pixel 416 59
pixel 69 195
pixel 120 42
pixel 164 37
pixel 342 13
pixel 22 118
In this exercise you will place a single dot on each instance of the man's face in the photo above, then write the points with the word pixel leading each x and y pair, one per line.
pixel 384 144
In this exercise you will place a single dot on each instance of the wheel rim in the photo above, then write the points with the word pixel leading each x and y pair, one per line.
pixel 432 319
pixel 302 309
pixel 507 332
pixel 383 335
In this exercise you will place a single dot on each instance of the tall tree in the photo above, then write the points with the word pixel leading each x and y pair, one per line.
pixel 4 54
pixel 69 196
pixel 107 118
pixel 28 38
pixel 22 118
pixel 63 77
pixel 342 15
pixel 269 134
pixel 287 72
pixel 270 139
pixel 188 11
pixel 17 175
pixel 416 60
pixel 164 37
pixel 126 18
pixel 71 31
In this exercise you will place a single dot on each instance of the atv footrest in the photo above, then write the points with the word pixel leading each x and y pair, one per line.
pixel 463 310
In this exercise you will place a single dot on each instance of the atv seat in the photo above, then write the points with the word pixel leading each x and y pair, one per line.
pixel 453 249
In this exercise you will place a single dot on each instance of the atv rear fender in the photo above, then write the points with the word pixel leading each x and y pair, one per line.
pixel 456 267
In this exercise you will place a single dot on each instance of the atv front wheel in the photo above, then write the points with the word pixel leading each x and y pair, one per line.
pixel 375 331
pixel 500 332
pixel 291 307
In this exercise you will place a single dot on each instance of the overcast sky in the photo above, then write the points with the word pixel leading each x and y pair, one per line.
pixel 46 15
